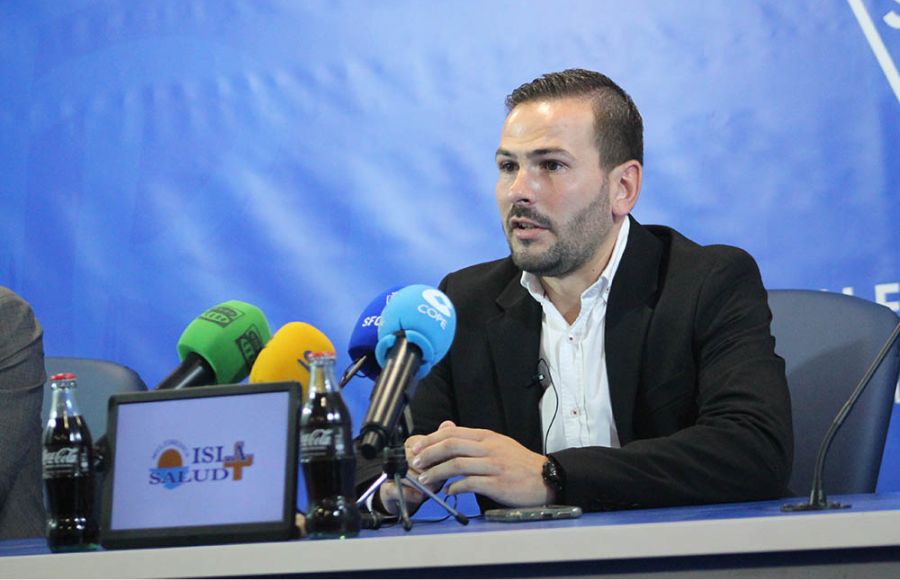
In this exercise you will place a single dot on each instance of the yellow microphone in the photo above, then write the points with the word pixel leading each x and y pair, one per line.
pixel 285 357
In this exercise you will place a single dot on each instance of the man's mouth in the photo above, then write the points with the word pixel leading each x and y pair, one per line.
pixel 527 230
pixel 518 223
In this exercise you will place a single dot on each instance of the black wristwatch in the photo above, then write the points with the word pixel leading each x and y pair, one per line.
pixel 555 477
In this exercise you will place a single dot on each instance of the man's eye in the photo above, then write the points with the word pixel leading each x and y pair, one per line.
pixel 551 165
pixel 507 166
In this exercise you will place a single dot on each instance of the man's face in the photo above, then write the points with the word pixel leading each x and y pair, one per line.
pixel 552 193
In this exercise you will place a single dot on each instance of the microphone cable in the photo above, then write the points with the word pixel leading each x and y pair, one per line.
pixel 545 379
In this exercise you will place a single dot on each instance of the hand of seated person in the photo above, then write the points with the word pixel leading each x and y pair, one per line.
pixel 388 495
pixel 490 464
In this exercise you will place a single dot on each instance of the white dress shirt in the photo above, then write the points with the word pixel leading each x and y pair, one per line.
pixel 575 409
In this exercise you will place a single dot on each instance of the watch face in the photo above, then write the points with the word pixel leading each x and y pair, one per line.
pixel 551 475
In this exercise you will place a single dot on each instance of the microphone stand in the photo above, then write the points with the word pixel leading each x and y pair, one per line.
pixel 817 498
pixel 396 467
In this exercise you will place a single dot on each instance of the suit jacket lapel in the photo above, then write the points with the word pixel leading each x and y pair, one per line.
pixel 627 318
pixel 514 336
pixel 515 339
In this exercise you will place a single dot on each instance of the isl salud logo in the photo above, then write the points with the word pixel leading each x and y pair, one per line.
pixel 176 464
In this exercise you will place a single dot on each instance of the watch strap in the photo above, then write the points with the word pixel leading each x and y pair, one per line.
pixel 555 477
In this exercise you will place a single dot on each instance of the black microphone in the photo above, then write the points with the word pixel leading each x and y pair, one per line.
pixel 193 370
pixel 817 498
pixel 390 395
pixel 417 329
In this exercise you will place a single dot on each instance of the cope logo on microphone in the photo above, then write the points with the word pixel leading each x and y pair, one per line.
pixel 221 315
pixel 438 307
pixel 177 464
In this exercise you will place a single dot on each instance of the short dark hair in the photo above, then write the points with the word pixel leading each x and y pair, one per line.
pixel 617 122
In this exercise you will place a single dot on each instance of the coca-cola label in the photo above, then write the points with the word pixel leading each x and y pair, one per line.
pixel 65 462
pixel 322 443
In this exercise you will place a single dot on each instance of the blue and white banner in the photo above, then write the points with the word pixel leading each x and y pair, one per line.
pixel 159 157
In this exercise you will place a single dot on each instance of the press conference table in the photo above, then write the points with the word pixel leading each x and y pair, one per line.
pixel 748 539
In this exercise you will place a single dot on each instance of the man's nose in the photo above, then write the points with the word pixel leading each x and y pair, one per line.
pixel 523 188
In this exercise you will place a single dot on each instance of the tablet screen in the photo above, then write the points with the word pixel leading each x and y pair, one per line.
pixel 202 461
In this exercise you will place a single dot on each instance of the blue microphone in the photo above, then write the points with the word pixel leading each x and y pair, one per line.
pixel 365 337
pixel 417 328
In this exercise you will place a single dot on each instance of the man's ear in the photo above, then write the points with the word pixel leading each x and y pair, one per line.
pixel 625 187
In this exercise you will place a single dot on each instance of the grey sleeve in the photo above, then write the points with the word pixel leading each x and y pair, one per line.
pixel 21 395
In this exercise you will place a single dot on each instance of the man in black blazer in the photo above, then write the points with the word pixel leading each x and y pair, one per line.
pixel 627 366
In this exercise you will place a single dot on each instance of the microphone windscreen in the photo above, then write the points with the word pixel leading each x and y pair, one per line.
pixel 365 334
pixel 286 357
pixel 427 318
pixel 229 337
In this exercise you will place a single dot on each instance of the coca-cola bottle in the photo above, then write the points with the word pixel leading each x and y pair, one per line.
pixel 68 460
pixel 326 455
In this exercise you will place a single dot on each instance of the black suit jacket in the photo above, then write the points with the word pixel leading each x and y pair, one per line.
pixel 699 396
pixel 21 395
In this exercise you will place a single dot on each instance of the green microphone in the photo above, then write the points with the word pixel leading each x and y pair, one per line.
pixel 219 346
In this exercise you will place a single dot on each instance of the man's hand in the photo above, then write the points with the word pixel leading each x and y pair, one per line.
pixel 491 464
pixel 387 493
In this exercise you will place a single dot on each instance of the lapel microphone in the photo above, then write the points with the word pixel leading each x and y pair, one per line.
pixel 542 376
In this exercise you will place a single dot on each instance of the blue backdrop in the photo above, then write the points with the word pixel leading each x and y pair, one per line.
pixel 157 158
